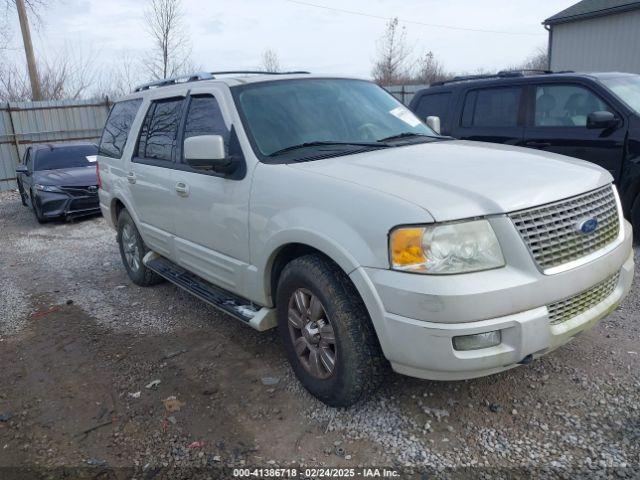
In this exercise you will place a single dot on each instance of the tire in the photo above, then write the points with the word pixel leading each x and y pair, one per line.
pixel 22 194
pixel 358 364
pixel 132 251
pixel 36 210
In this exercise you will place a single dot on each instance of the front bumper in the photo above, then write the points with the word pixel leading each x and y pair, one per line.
pixel 417 316
pixel 60 204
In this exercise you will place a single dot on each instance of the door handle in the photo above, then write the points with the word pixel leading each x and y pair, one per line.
pixel 131 177
pixel 535 144
pixel 182 189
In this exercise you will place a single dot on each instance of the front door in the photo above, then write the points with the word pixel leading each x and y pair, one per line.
pixel 151 173
pixel 25 182
pixel 558 123
pixel 211 216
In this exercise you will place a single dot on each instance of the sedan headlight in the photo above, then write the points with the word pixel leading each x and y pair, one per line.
pixel 47 188
pixel 447 248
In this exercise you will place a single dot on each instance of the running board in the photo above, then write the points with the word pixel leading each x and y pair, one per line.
pixel 260 318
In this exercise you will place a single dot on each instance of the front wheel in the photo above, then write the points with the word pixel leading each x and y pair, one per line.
pixel 327 333
pixel 37 210
pixel 132 251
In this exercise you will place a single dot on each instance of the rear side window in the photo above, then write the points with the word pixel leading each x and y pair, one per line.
pixel 492 107
pixel 116 130
pixel 159 136
pixel 205 118
pixel 436 104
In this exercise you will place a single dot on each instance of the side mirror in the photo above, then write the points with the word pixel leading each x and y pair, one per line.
pixel 22 169
pixel 433 122
pixel 206 152
pixel 601 120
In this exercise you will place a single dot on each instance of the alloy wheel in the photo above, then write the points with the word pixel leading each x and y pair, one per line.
pixel 312 334
pixel 130 247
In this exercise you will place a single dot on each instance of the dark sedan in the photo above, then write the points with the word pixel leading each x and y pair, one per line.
pixel 59 180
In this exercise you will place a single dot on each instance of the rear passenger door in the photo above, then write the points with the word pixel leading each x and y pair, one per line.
pixel 151 173
pixel 492 114
pixel 557 122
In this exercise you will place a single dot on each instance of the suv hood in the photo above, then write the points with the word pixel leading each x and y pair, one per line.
pixel 455 179
pixel 68 177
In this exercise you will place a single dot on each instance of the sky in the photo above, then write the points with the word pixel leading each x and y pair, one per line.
pixel 228 35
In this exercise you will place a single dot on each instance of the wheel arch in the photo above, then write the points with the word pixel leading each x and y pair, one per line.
pixel 279 260
pixel 116 206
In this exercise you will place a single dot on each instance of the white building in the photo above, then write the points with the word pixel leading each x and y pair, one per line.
pixel 596 36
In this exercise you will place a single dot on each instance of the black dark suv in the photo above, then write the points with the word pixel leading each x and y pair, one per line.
pixel 592 116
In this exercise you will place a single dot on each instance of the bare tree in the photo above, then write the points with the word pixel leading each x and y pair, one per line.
pixel 393 53
pixel 171 53
pixel 538 60
pixel 429 70
pixel 270 62
pixel 119 78
pixel 66 76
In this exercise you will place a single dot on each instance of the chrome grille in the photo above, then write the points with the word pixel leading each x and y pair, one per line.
pixel 570 307
pixel 550 230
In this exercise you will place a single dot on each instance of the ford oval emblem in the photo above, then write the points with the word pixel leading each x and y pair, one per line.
pixel 587 225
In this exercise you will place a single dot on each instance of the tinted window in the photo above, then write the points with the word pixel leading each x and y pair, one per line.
pixel 205 118
pixel 64 157
pixel 436 104
pixel 159 136
pixel 492 107
pixel 565 106
pixel 116 130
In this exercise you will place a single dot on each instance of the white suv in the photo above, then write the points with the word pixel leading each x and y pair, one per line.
pixel 324 207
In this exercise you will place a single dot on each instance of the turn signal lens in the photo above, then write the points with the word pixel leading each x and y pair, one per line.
pixel 447 248
pixel 406 248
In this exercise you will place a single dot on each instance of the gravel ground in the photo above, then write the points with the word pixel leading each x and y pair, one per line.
pixel 79 344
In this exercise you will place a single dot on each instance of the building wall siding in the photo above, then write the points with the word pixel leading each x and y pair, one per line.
pixel 600 44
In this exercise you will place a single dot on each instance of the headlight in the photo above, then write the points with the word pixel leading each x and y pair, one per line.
pixel 47 188
pixel 446 248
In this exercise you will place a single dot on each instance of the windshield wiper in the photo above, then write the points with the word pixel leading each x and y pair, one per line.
pixel 404 135
pixel 326 143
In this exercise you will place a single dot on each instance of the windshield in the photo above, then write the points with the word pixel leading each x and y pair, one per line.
pixel 307 112
pixel 65 157
pixel 627 88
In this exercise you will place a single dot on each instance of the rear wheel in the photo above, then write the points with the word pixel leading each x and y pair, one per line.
pixel 326 331
pixel 132 251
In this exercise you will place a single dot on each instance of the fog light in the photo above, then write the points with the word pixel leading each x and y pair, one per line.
pixel 477 341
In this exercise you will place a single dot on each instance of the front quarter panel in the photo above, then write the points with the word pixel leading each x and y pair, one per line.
pixel 347 222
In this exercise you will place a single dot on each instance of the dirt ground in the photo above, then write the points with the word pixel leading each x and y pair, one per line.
pixel 80 348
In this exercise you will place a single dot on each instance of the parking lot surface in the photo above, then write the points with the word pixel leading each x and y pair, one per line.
pixel 100 373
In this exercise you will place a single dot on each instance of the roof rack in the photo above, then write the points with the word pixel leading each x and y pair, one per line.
pixel 500 74
pixel 198 76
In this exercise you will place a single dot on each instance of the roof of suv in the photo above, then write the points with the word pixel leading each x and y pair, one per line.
pixel 513 77
pixel 228 78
